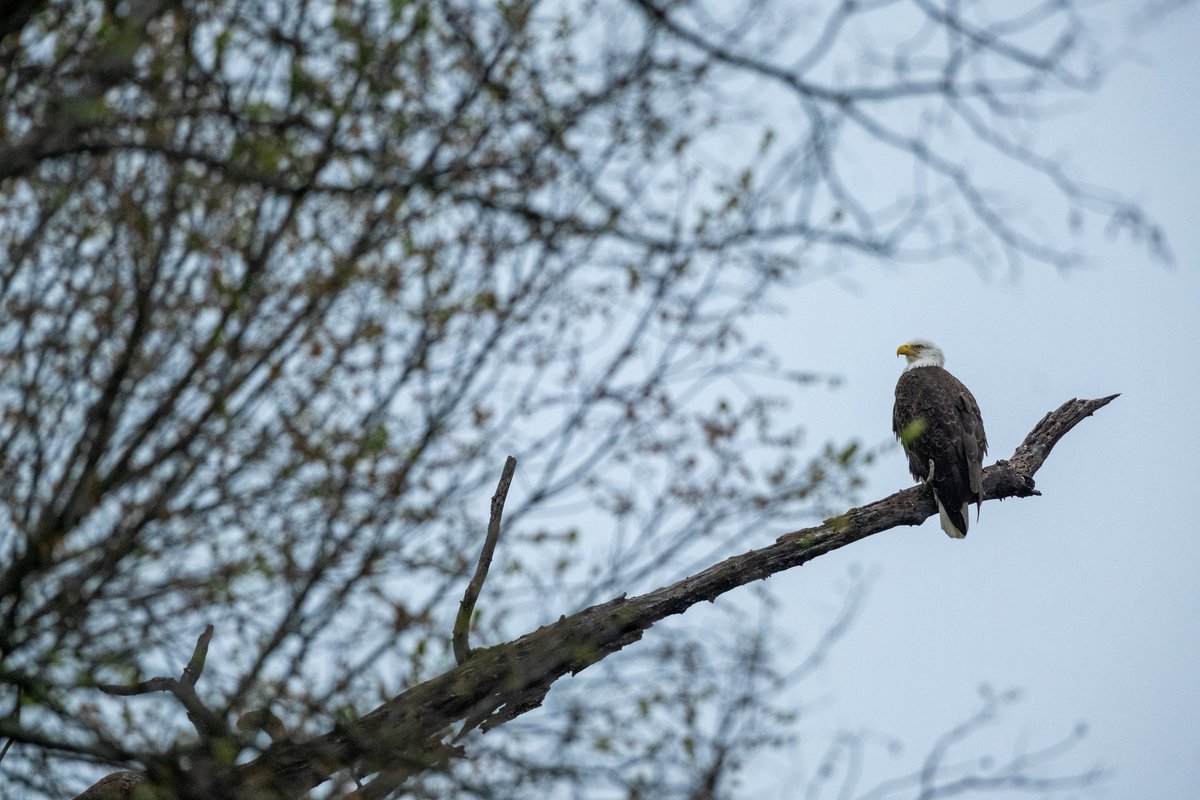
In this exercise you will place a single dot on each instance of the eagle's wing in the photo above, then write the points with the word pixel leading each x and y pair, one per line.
pixel 973 443
pixel 904 412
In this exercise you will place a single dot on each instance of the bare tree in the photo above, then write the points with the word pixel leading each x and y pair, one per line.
pixel 285 281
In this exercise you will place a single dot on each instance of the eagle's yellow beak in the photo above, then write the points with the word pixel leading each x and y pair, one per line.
pixel 906 350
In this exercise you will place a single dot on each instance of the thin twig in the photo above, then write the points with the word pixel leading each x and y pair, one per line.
pixel 184 687
pixel 462 624
pixel 195 667
pixel 143 687
pixel 15 716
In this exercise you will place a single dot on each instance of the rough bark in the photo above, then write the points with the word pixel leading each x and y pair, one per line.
pixel 496 684
pixel 117 786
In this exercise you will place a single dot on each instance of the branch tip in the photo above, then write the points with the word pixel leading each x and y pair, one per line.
pixel 462 623
pixel 195 666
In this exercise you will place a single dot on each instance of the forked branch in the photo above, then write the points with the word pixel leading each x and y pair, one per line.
pixel 499 683
pixel 126 785
pixel 183 687
pixel 407 734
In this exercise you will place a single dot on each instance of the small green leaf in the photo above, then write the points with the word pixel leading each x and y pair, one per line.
pixel 225 750
pixel 485 301
pixel 377 441
pixel 689 747
pixel 913 430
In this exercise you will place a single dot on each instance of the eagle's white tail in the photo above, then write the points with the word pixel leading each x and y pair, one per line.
pixel 950 526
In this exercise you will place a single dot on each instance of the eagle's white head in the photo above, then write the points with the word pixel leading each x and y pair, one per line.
pixel 921 353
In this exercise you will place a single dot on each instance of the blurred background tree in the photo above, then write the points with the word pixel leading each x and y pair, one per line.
pixel 284 281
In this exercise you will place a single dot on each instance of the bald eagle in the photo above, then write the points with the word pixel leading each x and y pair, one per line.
pixel 937 422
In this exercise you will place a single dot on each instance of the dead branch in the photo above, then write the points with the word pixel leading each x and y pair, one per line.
pixel 184 688
pixel 117 786
pixel 462 624
pixel 501 682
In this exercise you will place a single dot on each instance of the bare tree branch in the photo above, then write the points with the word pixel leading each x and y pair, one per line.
pixel 499 683
pixel 462 624
pixel 117 786
pixel 937 777
pixel 184 688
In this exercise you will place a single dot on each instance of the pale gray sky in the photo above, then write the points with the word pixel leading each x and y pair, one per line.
pixel 1087 598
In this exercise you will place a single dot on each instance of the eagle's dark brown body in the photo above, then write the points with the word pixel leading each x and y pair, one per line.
pixel 938 423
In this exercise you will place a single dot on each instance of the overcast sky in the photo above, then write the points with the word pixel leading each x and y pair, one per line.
pixel 1086 598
